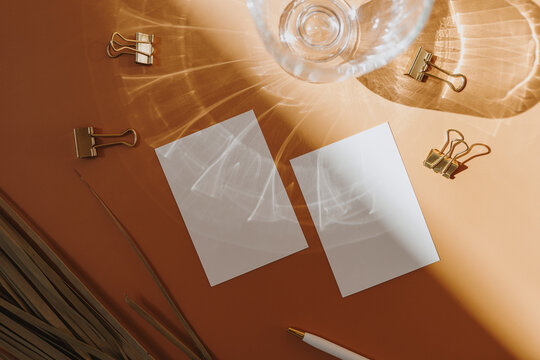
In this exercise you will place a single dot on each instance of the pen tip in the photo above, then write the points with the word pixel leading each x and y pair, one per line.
pixel 296 333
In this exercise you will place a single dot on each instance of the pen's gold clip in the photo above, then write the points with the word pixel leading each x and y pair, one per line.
pixel 299 334
pixel 141 47
pixel 85 141
pixel 420 65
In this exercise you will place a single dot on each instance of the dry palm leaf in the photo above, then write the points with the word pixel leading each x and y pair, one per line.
pixel 45 310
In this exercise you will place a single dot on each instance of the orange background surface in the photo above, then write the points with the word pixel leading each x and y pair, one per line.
pixel 479 302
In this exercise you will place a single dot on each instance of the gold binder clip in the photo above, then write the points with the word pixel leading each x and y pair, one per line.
pixel 444 163
pixel 448 165
pixel 436 156
pixel 141 47
pixel 85 141
pixel 419 67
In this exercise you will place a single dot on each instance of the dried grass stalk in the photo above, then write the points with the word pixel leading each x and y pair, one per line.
pixel 152 321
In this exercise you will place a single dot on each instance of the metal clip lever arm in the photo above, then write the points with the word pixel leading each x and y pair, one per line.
pixel 463 78
pixel 132 144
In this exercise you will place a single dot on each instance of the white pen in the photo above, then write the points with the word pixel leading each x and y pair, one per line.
pixel 326 346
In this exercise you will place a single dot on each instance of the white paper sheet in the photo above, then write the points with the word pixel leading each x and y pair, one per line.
pixel 365 210
pixel 231 198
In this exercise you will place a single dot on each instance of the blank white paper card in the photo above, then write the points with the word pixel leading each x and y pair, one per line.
pixel 364 209
pixel 231 198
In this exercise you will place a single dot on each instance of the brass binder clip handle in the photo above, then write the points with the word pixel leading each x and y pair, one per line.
pixel 141 47
pixel 448 132
pixel 449 83
pixel 435 156
pixel 85 141
pixel 420 65
pixel 488 150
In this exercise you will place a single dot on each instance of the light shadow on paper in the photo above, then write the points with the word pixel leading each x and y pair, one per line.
pixel 365 210
pixel 231 198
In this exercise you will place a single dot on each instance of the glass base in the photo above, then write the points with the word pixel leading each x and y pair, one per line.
pixel 319 30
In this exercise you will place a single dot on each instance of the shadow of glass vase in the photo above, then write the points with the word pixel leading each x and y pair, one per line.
pixel 494 43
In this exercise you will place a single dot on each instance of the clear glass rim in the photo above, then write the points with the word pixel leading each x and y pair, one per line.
pixel 310 71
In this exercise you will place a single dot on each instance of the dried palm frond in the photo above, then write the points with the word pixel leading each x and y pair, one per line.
pixel 45 310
